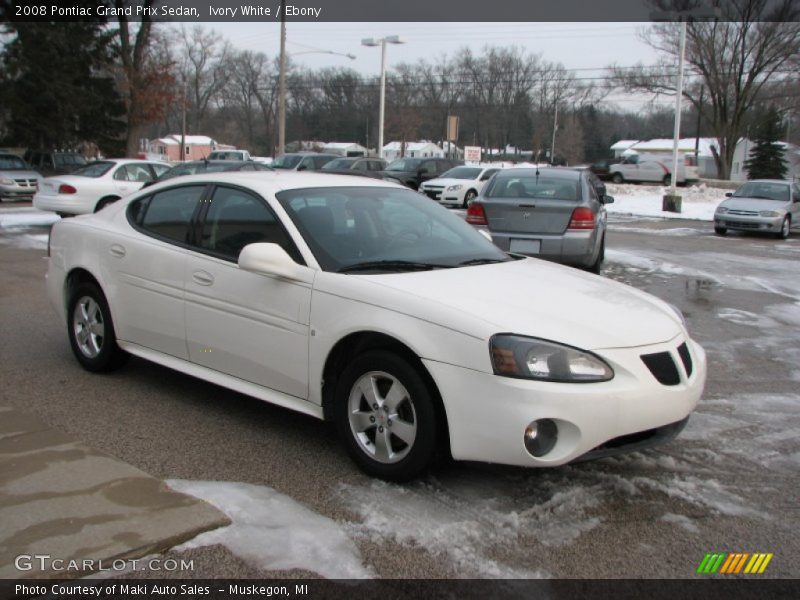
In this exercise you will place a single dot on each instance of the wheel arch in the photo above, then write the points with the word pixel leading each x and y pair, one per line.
pixel 356 343
pixel 109 197
pixel 77 276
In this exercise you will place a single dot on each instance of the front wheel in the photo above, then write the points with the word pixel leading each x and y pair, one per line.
pixel 386 417
pixel 786 226
pixel 720 230
pixel 469 197
pixel 91 330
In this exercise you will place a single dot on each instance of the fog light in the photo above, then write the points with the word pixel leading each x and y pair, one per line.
pixel 540 437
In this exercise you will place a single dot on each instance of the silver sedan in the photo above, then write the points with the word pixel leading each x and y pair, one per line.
pixel 551 213
pixel 761 206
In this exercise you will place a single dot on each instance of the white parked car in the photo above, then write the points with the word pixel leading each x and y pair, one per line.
pixel 647 168
pixel 96 185
pixel 360 301
pixel 458 186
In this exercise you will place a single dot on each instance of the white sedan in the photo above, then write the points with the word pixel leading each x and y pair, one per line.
pixel 361 302
pixel 458 186
pixel 96 185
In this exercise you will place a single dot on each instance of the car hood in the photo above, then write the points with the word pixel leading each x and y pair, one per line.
pixel 532 297
pixel 753 204
pixel 20 174
pixel 447 181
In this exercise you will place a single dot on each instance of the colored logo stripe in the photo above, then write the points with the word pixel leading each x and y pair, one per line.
pixel 733 563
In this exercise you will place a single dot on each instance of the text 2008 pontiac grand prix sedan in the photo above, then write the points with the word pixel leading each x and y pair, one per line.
pixel 362 302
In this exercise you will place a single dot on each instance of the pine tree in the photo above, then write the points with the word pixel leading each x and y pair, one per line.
pixel 766 160
pixel 57 85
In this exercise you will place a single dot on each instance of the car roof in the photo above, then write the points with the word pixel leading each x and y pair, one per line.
pixel 271 182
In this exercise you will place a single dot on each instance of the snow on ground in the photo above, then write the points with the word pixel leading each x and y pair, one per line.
pixel 272 531
pixel 698 202
pixel 35 241
pixel 27 218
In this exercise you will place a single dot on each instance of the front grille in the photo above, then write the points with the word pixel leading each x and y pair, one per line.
pixel 686 358
pixel 434 194
pixel 743 224
pixel 25 182
pixel 662 367
pixel 743 213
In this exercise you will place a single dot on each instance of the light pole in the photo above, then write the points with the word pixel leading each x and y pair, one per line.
pixel 390 39
pixel 282 84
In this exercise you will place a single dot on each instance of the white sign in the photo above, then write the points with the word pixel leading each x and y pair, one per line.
pixel 472 154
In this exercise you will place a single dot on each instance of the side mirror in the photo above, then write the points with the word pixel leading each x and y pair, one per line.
pixel 728 194
pixel 608 199
pixel 271 259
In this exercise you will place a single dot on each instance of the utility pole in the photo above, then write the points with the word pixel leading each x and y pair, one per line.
pixel 697 128
pixel 555 128
pixel 183 122
pixel 282 86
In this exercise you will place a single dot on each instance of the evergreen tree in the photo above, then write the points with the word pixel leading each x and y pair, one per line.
pixel 766 160
pixel 57 85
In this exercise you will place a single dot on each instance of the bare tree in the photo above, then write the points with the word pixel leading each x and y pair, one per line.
pixel 736 60
pixel 204 70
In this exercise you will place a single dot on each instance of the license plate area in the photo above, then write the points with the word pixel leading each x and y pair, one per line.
pixel 526 246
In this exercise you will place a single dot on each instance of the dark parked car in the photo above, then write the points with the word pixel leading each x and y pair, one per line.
pixel 413 171
pixel 302 161
pixel 371 167
pixel 551 213
pixel 55 162
pixel 601 168
pixel 197 167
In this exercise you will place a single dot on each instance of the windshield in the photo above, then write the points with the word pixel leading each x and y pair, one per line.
pixel 287 161
pixel 405 164
pixel 94 169
pixel 9 162
pixel 338 164
pixel 461 173
pixel 347 227
pixel 69 160
pixel 761 190
pixel 555 188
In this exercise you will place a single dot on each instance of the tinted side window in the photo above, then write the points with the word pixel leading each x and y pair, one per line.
pixel 237 218
pixel 169 213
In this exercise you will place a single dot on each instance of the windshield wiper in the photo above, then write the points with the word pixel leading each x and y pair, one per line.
pixel 480 261
pixel 392 265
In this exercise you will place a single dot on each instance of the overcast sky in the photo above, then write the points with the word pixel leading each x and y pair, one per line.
pixel 585 47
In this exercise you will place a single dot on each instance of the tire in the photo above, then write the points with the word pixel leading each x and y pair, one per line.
pixel 105 202
pixel 617 178
pixel 91 330
pixel 667 180
pixel 597 265
pixel 786 227
pixel 720 230
pixel 376 448
pixel 469 197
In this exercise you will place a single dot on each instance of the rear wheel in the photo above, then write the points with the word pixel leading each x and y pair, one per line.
pixel 91 331
pixel 385 416
pixel 667 179
pixel 469 197
pixel 601 255
pixel 786 227
pixel 617 178
pixel 720 230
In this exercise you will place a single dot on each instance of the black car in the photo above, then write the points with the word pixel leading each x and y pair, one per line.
pixel 413 171
pixel 600 168
pixel 54 162
pixel 359 165
pixel 197 167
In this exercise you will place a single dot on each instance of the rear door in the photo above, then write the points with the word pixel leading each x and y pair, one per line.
pixel 523 205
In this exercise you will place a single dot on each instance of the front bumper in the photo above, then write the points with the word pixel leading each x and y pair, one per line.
pixel 749 223
pixel 16 192
pixel 487 415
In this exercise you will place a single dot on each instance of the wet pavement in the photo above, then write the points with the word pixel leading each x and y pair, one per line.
pixel 727 484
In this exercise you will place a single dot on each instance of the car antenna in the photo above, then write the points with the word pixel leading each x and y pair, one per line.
pixel 537 173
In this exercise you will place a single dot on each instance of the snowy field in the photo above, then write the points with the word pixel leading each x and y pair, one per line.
pixel 698 201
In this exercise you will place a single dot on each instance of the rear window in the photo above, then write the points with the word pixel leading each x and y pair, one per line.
pixel 554 188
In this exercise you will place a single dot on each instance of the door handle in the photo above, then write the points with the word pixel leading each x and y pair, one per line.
pixel 203 278
pixel 117 250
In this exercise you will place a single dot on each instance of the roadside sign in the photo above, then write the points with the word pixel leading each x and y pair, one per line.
pixel 472 154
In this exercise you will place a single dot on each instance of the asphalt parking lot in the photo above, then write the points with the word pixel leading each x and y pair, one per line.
pixel 727 484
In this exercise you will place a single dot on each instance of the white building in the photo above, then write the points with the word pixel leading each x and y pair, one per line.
pixel 345 149
pixel 621 146
pixel 744 150
pixel 393 150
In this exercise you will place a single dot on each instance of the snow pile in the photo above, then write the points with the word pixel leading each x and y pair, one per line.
pixel 272 531
pixel 28 218
pixel 698 202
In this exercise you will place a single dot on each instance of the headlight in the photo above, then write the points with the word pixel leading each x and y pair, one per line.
pixel 769 213
pixel 5 181
pixel 531 358
pixel 721 210
pixel 454 188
